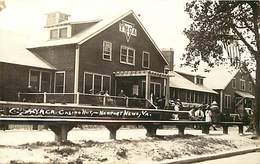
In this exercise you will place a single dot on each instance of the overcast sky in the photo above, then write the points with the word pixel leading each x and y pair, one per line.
pixel 163 19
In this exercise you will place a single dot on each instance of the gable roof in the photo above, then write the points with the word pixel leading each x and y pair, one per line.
pixel 220 76
pixel 13 50
pixel 92 31
pixel 178 81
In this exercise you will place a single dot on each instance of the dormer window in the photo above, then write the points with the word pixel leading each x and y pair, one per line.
pixel 199 80
pixel 60 32
pixel 63 32
pixel 54 34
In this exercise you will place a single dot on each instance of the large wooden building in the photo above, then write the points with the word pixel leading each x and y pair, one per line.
pixel 190 89
pixel 235 87
pixel 112 54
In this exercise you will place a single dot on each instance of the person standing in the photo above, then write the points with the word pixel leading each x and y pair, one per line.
pixel 214 109
pixel 208 115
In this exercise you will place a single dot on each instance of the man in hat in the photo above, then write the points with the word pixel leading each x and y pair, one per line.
pixel 215 111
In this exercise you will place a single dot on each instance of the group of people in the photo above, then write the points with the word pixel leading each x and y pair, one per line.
pixel 208 113
pixel 205 112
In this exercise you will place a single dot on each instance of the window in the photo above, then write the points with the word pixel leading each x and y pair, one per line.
pixel 54 34
pixel 250 87
pixel 227 101
pixel 242 84
pixel 234 83
pixel 94 83
pixel 63 33
pixel 199 80
pixel 59 33
pixel 34 79
pixel 146 60
pixel 155 88
pixel 40 81
pixel 127 55
pixel 45 81
pixel 59 82
pixel 107 50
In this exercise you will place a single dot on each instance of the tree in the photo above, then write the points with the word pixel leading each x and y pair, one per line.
pixel 218 22
pixel 2 4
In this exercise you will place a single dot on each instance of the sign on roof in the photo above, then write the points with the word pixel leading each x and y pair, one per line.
pixel 127 28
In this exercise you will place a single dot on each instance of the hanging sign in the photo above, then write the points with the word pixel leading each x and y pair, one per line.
pixel 127 28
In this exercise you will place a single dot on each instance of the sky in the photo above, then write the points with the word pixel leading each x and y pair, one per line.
pixel 164 20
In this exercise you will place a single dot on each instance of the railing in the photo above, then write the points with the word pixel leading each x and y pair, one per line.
pixel 88 99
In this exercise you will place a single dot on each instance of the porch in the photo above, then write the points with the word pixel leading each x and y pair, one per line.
pixel 146 84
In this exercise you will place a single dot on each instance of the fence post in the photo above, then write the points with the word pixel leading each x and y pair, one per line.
pixel 126 103
pixel 104 100
pixel 19 96
pixel 77 98
pixel 44 97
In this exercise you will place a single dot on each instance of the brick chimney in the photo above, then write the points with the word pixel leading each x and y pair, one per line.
pixel 169 55
pixel 56 18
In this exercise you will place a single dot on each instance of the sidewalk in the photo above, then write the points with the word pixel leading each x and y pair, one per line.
pixel 211 156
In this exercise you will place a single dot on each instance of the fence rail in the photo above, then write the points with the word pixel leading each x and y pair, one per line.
pixel 88 99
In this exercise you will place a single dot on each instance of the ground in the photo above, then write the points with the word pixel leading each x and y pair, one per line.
pixel 93 146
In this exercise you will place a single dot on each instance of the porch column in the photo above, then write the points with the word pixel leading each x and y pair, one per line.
pixel 76 74
pixel 221 101
pixel 167 92
pixel 147 86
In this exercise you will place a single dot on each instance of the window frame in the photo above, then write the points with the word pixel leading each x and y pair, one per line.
pixel 148 59
pixel 93 81
pixel 111 50
pixel 233 83
pixel 62 28
pixel 40 78
pixel 227 101
pixel 64 81
pixel 127 55
pixel 154 87
pixel 51 36
pixel 242 81
pixel 250 86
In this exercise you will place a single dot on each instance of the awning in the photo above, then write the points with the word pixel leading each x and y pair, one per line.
pixel 245 94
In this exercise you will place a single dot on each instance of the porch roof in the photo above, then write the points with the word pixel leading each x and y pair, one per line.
pixel 140 73
pixel 245 94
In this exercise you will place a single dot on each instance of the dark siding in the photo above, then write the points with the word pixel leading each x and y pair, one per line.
pixel 231 91
pixel 91 52
pixel 63 59
pixel 189 77
pixel 77 28
pixel 14 79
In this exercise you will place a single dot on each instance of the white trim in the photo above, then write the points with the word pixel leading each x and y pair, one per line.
pixel 69 31
pixel 221 101
pixel 118 19
pixel 154 83
pixel 244 82
pixel 111 50
pixel 145 52
pixel 227 101
pixel 64 80
pixel 40 78
pixel 76 73
pixel 93 80
pixel 127 55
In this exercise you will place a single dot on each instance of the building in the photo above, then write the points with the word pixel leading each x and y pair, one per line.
pixel 16 63
pixel 235 88
pixel 190 89
pixel 88 57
